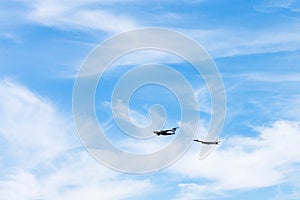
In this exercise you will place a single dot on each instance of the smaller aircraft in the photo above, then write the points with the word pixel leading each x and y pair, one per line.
pixel 208 142
pixel 166 131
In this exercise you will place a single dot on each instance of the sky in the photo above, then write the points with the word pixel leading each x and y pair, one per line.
pixel 255 46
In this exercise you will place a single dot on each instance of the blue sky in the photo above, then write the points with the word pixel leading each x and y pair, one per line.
pixel 256 46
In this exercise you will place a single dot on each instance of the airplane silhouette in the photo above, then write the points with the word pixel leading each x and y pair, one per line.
pixel 166 131
pixel 208 142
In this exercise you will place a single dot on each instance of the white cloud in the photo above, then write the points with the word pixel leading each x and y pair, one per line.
pixel 243 162
pixel 231 42
pixel 79 177
pixel 92 14
pixel 124 113
pixel 289 107
pixel 148 56
pixel 11 37
pixel 269 6
pixel 267 77
pixel 41 157
pixel 192 191
pixel 136 123
pixel 204 101
pixel 226 42
pixel 78 15
pixel 32 124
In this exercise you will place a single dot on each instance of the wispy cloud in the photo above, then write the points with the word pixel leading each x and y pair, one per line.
pixel 274 5
pixel 10 37
pixel 32 124
pixel 136 123
pixel 41 157
pixel 75 178
pixel 270 77
pixel 78 15
pixel 230 42
pixel 244 162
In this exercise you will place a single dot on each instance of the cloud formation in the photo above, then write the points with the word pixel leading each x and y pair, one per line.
pixel 78 15
pixel 41 157
pixel 243 162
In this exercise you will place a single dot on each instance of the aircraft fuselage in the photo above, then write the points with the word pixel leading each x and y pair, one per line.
pixel 207 142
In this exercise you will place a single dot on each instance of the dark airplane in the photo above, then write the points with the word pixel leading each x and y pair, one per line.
pixel 208 142
pixel 166 131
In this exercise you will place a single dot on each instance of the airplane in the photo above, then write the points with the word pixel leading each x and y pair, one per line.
pixel 208 142
pixel 166 131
